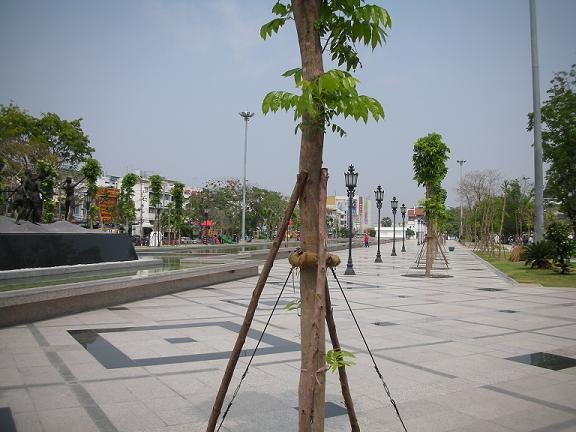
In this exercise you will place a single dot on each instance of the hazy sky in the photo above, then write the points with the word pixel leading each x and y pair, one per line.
pixel 159 84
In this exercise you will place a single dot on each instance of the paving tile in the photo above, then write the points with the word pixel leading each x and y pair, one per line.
pixel 53 397
pixel 534 418
pixel 67 419
pixel 447 342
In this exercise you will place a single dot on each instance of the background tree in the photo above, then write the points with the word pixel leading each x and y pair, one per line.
pixel 156 192
pixel 336 27
pixel 3 191
pixel 178 211
pixel 559 141
pixel 126 207
pixel 410 233
pixel 91 171
pixel 452 226
pixel 25 139
pixel 429 159
pixel 386 221
pixel 265 210
pixel 563 247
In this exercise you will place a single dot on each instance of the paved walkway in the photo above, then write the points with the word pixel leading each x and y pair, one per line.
pixel 450 349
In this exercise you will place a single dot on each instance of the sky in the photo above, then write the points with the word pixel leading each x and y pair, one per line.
pixel 159 85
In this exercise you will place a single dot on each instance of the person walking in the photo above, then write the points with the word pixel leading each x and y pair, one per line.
pixel 366 244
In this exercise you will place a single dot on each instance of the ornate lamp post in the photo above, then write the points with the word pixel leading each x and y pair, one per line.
pixel 351 178
pixel 403 212
pixel 394 204
pixel 379 194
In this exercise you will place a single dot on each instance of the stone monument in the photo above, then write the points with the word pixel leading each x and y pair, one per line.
pixel 32 245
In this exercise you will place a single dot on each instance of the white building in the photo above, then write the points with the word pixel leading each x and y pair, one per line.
pixel 337 211
pixel 145 213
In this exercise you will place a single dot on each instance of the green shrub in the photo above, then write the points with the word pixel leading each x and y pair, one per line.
pixel 558 235
pixel 537 255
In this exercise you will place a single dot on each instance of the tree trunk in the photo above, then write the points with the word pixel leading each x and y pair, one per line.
pixel 431 245
pixel 306 13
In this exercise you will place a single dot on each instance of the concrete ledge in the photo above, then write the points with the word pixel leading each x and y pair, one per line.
pixel 34 304
pixel 78 268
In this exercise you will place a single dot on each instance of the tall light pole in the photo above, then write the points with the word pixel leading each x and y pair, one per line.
pixel 461 162
pixel 403 212
pixel 246 115
pixel 538 175
pixel 394 204
pixel 379 194
pixel 351 178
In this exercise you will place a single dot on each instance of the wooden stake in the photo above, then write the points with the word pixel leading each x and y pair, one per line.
pixel 342 369
pixel 233 360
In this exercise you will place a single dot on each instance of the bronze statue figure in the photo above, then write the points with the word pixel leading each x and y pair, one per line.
pixel 69 203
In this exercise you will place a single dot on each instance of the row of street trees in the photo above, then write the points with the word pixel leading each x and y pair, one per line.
pixel 219 200
pixel 494 210
pixel 497 209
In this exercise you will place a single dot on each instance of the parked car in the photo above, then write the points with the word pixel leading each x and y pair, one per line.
pixel 185 240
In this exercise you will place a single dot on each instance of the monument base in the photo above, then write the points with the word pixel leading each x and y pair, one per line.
pixel 61 243
pixel 19 251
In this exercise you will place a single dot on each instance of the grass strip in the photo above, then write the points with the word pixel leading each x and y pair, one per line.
pixel 524 274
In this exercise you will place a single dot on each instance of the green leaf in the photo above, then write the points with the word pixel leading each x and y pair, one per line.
pixel 280 9
pixel 338 358
pixel 293 305
pixel 271 27
pixel 296 72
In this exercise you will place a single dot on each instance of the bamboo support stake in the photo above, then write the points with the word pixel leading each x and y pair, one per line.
pixel 354 426
pixel 233 360
pixel 315 362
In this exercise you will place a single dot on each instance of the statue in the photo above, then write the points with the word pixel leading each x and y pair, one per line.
pixel 69 203
pixel 21 201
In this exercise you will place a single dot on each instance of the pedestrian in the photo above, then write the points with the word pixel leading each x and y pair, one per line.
pixel 366 240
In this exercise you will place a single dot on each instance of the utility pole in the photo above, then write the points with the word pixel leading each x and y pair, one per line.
pixel 461 162
pixel 246 115
pixel 538 174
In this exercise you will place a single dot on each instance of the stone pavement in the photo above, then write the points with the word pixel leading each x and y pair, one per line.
pixel 454 351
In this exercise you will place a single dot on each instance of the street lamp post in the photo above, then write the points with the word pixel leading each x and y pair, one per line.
pixel 379 193
pixel 417 231
pixel 394 204
pixel 351 178
pixel 246 115
pixel 403 212
pixel 461 162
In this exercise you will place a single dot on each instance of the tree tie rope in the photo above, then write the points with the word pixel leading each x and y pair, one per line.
pixel 392 401
pixel 254 351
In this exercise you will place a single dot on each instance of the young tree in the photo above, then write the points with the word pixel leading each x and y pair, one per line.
pixel 91 171
pixel 178 211
pixel 156 192
pixel 430 156
pixel 386 221
pixel 126 206
pixel 559 141
pixel 563 247
pixel 335 26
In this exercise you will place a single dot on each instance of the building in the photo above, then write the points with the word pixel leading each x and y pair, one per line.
pixel 145 213
pixel 337 213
